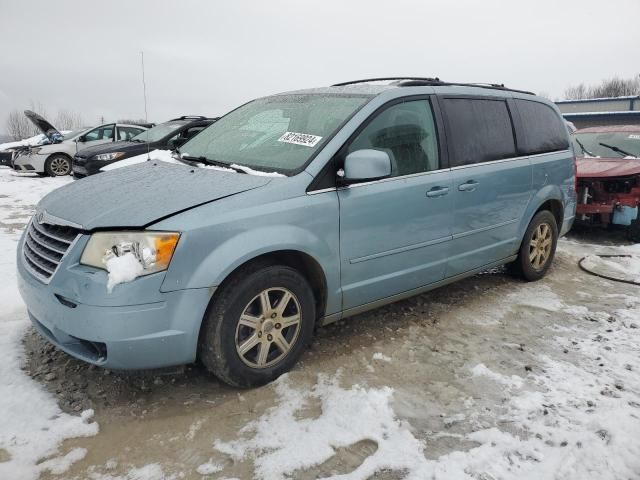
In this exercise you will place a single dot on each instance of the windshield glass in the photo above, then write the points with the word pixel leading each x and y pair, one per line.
pixel 159 131
pixel 278 133
pixel 74 133
pixel 590 144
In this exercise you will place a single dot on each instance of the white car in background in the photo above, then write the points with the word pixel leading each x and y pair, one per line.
pixel 54 159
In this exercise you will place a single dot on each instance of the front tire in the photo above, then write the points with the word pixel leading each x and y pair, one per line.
pixel 633 233
pixel 57 165
pixel 538 247
pixel 257 326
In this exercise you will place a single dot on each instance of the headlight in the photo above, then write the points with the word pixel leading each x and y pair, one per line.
pixel 153 250
pixel 35 149
pixel 105 157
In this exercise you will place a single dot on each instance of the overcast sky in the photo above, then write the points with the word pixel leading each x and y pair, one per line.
pixel 206 57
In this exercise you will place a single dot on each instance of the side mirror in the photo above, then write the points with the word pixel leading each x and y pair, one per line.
pixel 363 165
pixel 81 139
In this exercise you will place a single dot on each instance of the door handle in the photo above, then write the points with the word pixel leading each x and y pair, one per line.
pixel 437 192
pixel 469 186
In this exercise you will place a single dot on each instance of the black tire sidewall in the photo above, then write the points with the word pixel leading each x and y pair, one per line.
pixel 527 270
pixel 48 161
pixel 217 340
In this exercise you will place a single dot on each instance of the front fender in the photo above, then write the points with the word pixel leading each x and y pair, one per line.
pixel 207 254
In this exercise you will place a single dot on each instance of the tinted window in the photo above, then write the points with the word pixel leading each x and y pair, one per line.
pixel 480 130
pixel 407 132
pixel 544 130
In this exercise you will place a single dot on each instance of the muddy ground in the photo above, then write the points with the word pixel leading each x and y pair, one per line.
pixel 421 347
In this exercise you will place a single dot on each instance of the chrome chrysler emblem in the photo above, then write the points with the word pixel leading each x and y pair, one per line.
pixel 40 217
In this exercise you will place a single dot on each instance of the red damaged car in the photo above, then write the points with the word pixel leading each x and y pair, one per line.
pixel 608 176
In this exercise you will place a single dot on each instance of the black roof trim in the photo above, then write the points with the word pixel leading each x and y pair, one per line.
pixel 382 79
pixel 432 82
pixel 190 117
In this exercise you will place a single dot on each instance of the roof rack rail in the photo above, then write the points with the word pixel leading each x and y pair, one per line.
pixel 382 79
pixel 427 81
pixel 185 117
pixel 489 86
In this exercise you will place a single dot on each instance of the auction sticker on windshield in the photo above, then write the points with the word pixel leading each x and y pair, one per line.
pixel 305 139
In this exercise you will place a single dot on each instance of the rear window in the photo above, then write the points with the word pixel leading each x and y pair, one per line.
pixel 544 130
pixel 480 130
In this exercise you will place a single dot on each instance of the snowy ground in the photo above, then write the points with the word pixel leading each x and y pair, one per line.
pixel 490 378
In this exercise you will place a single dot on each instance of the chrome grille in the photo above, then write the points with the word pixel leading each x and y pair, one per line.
pixel 44 246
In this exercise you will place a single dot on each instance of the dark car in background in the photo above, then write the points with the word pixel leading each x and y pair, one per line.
pixel 165 136
pixel 608 173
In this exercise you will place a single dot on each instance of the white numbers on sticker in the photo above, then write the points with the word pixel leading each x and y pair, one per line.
pixel 635 137
pixel 305 139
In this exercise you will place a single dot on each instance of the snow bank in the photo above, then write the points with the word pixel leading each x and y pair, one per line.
pixel 348 416
pixel 31 425
pixel 625 268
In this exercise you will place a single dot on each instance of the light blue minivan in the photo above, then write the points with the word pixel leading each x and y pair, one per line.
pixel 293 211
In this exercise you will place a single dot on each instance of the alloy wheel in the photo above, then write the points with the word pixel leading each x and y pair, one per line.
pixel 268 327
pixel 540 246
pixel 60 166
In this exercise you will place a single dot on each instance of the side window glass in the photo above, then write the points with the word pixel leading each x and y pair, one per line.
pixel 407 132
pixel 480 130
pixel 191 132
pixel 127 133
pixel 544 130
pixel 100 133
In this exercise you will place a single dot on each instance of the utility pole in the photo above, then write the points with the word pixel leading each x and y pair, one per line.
pixel 144 87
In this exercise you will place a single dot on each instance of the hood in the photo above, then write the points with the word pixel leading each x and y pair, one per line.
pixel 607 167
pixel 44 126
pixel 141 194
pixel 121 146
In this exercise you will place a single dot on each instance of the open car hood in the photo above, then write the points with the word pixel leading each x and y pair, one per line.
pixel 607 167
pixel 43 125
pixel 139 195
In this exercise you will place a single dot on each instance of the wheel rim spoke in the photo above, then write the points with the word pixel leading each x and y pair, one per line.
pixel 248 344
pixel 250 321
pixel 290 321
pixel 282 304
pixel 263 353
pixel 281 343
pixel 265 303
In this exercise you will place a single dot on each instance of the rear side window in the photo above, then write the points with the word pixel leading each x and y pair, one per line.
pixel 480 130
pixel 544 130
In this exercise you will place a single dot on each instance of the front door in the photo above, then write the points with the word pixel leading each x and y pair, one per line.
pixel 97 136
pixel 395 232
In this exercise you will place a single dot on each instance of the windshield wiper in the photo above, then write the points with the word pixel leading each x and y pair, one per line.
pixel 618 150
pixel 208 161
pixel 584 150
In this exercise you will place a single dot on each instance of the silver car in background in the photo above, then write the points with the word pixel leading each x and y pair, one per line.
pixel 54 159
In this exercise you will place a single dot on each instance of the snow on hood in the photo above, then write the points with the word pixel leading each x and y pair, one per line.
pixel 142 194
pixel 168 156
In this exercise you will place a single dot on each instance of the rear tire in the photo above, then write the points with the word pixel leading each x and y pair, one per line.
pixel 538 247
pixel 57 165
pixel 249 337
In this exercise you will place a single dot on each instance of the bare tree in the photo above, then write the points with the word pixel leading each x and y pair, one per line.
pixel 612 87
pixel 68 120
pixel 18 125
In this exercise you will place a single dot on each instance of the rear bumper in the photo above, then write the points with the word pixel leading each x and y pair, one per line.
pixel 160 333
